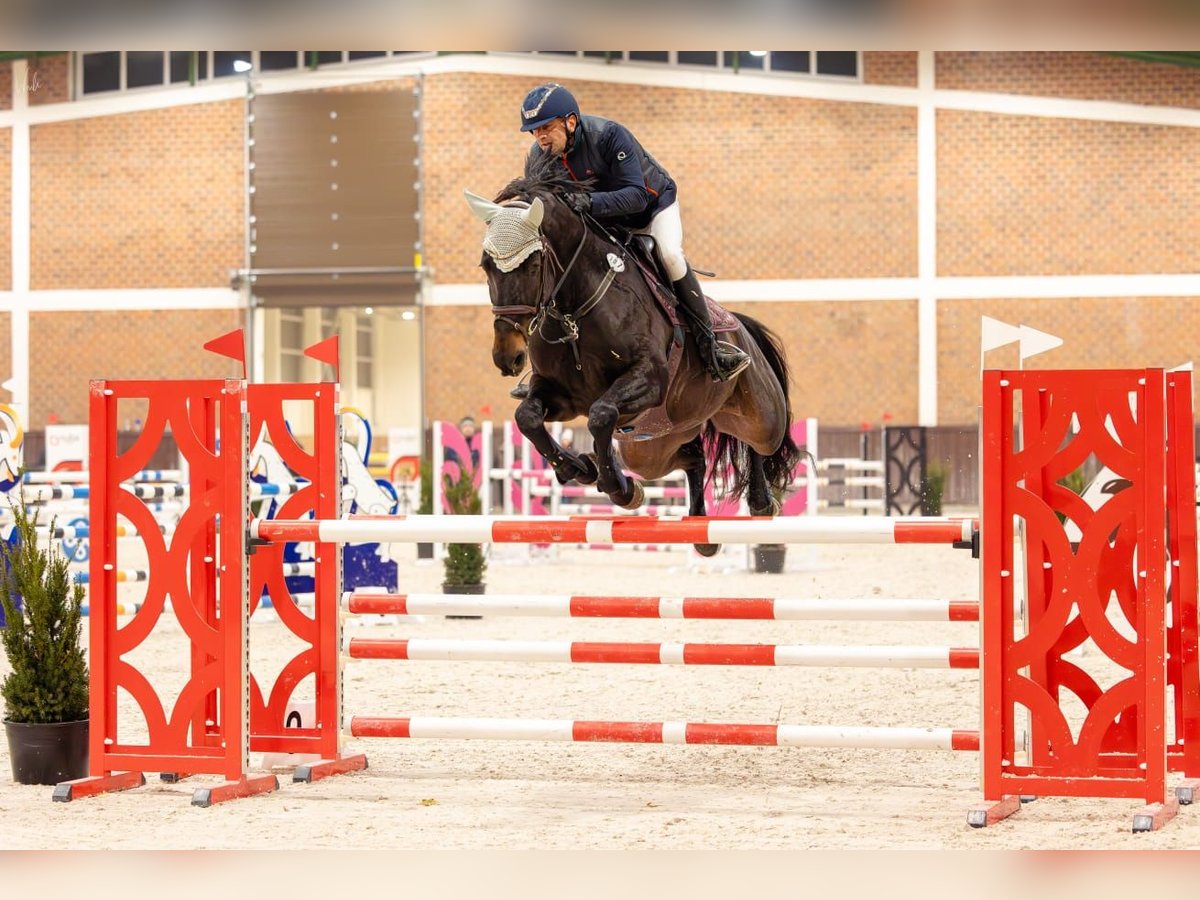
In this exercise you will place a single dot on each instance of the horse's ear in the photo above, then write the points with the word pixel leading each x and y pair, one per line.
pixel 534 214
pixel 483 208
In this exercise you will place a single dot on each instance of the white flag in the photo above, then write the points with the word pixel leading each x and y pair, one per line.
pixel 993 333
pixel 1034 342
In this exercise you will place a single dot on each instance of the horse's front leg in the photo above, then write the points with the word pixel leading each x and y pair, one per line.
pixel 631 393
pixel 568 466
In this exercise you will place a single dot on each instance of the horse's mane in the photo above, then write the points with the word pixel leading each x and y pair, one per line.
pixel 541 177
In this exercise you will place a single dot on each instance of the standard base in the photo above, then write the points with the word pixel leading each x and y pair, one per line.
pixel 66 791
pixel 1155 816
pixel 1186 790
pixel 989 813
pixel 246 786
pixel 328 767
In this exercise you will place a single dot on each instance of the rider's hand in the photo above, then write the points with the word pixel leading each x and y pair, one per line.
pixel 581 203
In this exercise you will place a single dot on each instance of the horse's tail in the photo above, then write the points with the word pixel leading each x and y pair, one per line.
pixel 730 456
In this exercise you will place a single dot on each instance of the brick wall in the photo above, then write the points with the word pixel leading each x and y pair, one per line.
pixel 459 376
pixel 1029 196
pixel 146 199
pixel 894 68
pixel 5 351
pixel 1077 75
pixel 49 79
pixel 70 349
pixel 770 187
pixel 6 85
pixel 5 209
pixel 1138 332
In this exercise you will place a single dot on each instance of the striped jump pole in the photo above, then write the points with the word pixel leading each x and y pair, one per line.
pixel 881 738
pixel 620 530
pixel 288 569
pixel 79 532
pixel 45 494
pixel 610 607
pixel 665 654
pixel 76 477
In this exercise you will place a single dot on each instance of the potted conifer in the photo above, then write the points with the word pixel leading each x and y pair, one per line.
pixel 425 506
pixel 46 692
pixel 464 564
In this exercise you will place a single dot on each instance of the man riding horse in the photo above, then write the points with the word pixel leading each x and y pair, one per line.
pixel 630 189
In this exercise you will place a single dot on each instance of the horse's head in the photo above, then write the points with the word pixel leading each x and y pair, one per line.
pixel 518 279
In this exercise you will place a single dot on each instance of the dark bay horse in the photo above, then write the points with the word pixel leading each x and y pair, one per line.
pixel 574 303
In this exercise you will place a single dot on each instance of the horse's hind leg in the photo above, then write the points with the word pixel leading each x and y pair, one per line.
pixel 691 460
pixel 758 494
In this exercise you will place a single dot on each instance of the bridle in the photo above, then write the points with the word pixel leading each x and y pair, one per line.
pixel 547 305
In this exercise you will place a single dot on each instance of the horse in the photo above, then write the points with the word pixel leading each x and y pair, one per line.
pixel 581 308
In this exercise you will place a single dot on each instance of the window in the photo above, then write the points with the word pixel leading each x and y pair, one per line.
pixel 291 345
pixel 365 369
pixel 837 62
pixel 322 57
pixel 366 54
pixel 696 57
pixel 791 61
pixel 102 71
pixel 143 69
pixel 182 63
pixel 649 56
pixel 745 59
pixel 223 61
pixel 275 60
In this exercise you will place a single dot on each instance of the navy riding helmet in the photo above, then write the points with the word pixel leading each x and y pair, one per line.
pixel 545 103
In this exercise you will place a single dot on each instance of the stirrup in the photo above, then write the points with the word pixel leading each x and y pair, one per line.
pixel 729 361
pixel 520 392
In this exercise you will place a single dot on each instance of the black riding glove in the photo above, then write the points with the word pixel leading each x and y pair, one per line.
pixel 581 203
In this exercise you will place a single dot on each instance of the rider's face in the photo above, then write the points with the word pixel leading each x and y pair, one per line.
pixel 552 137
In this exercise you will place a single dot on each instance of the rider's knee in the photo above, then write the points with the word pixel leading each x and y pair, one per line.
pixel 673 261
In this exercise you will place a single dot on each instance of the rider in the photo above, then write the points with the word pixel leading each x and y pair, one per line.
pixel 631 189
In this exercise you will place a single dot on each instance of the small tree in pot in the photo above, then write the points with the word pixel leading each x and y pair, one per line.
pixel 46 692
pixel 464 563
pixel 425 505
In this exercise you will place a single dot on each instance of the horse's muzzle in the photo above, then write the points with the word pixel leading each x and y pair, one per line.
pixel 512 364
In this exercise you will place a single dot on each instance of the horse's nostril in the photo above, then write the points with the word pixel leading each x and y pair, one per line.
pixel 519 361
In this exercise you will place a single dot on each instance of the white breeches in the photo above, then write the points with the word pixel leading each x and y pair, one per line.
pixel 667 230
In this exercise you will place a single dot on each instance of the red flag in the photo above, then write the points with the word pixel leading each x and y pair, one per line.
pixel 232 345
pixel 326 351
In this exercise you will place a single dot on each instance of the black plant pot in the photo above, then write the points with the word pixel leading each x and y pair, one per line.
pixel 47 753
pixel 424 551
pixel 769 558
pixel 464 589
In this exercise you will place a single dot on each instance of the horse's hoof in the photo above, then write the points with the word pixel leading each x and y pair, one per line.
pixel 707 549
pixel 590 473
pixel 771 511
pixel 636 500
pixel 579 469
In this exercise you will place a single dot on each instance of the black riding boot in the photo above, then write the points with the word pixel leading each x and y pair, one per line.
pixel 722 359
